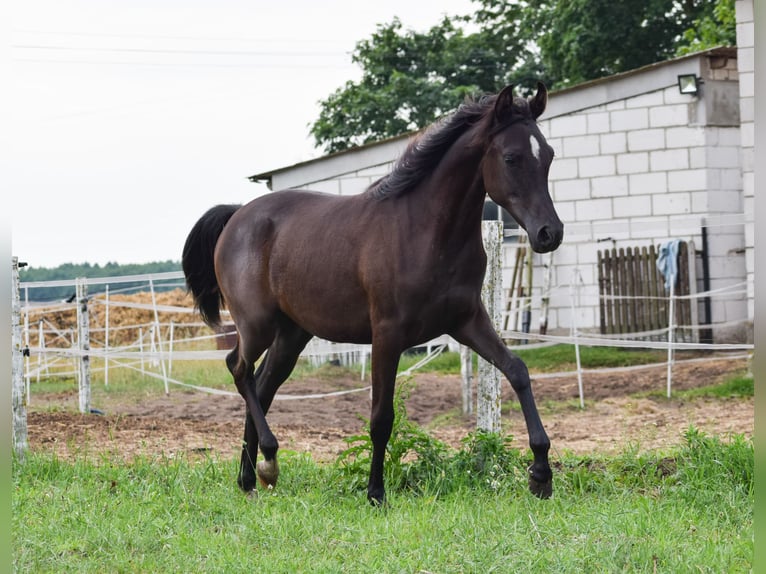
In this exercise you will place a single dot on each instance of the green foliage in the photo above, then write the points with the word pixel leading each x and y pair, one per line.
pixel 717 463
pixel 408 441
pixel 411 78
pixel 72 271
pixel 586 39
pixel 420 464
pixel 714 27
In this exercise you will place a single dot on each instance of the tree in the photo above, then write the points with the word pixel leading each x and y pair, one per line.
pixel 582 40
pixel 411 78
pixel 716 26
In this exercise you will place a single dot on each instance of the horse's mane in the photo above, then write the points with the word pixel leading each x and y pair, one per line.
pixel 427 148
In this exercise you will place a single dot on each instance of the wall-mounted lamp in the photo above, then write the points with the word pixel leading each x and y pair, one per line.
pixel 688 84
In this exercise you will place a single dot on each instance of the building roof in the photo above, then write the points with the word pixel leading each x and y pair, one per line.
pixel 560 102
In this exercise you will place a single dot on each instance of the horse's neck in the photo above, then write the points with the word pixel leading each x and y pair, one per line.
pixel 455 193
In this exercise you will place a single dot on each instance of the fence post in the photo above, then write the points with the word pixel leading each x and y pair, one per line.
pixel 83 343
pixel 488 389
pixel 574 296
pixel 159 339
pixel 466 377
pixel 106 336
pixel 18 395
pixel 671 327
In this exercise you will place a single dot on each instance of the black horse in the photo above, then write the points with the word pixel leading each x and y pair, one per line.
pixel 394 266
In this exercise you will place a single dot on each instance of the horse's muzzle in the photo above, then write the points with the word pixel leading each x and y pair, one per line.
pixel 548 238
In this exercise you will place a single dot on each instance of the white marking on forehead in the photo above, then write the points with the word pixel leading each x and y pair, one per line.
pixel 535 146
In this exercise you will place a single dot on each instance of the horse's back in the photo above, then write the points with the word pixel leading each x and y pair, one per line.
pixel 297 252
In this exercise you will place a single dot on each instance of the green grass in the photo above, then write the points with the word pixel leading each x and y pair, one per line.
pixel 562 357
pixel 738 386
pixel 124 382
pixel 549 359
pixel 689 510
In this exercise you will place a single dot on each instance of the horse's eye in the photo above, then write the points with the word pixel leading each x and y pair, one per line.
pixel 511 158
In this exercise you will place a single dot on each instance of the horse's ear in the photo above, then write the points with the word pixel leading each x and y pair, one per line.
pixel 504 104
pixel 538 102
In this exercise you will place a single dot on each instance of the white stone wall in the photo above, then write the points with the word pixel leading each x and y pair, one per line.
pixel 643 170
pixel 746 65
pixel 353 182
pixel 636 163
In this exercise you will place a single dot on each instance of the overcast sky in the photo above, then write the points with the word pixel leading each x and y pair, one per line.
pixel 130 119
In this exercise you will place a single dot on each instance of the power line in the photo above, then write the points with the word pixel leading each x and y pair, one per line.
pixel 268 53
pixel 291 66
pixel 259 39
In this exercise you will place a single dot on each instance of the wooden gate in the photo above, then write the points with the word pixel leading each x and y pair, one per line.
pixel 632 295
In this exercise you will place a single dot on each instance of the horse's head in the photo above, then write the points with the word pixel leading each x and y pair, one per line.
pixel 515 167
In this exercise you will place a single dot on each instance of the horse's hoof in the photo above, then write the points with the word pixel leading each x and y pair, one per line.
pixel 541 489
pixel 246 483
pixel 377 499
pixel 252 495
pixel 268 472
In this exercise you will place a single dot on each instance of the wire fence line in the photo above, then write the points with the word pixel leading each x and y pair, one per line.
pixel 42 349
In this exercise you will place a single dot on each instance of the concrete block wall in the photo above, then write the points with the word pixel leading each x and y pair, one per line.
pixel 629 171
pixel 353 182
pixel 637 163
pixel 746 66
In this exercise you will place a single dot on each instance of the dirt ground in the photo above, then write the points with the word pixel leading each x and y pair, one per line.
pixel 186 422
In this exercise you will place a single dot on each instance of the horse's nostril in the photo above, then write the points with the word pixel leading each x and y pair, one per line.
pixel 549 238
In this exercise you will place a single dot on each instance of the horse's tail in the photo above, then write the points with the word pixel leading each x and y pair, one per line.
pixel 198 264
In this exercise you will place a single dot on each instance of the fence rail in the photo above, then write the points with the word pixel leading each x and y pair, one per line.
pixel 627 294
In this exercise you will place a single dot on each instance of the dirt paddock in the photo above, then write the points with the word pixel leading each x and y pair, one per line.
pixel 192 423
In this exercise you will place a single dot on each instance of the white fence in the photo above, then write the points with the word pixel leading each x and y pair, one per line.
pixel 154 355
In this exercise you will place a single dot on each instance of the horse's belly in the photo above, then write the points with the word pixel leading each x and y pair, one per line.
pixel 336 311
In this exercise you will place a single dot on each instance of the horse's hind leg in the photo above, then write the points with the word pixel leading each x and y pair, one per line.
pixel 241 362
pixel 277 366
pixel 246 476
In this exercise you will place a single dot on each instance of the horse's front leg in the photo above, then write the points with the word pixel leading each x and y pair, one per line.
pixel 385 361
pixel 479 334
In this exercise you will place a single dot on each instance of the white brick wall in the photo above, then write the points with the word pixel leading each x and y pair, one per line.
pixel 597 165
pixel 613 143
pixel 648 183
pixel 653 165
pixel 626 173
pixel 641 140
pixel 669 159
pixel 746 67
pixel 612 186
pixel 629 120
pixel 637 162
pixel 568 126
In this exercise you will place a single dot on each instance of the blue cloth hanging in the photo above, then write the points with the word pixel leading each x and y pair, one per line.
pixel 667 261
